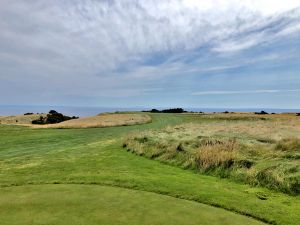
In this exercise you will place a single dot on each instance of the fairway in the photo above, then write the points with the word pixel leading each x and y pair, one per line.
pixel 91 204
pixel 64 170
pixel 160 112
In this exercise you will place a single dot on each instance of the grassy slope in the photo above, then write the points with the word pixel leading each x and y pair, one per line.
pixel 91 204
pixel 95 156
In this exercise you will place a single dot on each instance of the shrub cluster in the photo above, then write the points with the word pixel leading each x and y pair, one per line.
pixel 53 117
pixel 172 110
pixel 261 113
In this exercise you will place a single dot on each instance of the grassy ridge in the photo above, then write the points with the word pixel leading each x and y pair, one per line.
pixel 95 156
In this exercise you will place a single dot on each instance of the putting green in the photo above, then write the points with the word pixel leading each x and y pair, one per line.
pixel 92 204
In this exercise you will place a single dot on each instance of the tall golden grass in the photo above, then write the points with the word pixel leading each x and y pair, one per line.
pixel 258 152
pixel 102 120
pixel 215 153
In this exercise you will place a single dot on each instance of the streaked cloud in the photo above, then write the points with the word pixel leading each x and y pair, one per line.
pixel 243 92
pixel 101 49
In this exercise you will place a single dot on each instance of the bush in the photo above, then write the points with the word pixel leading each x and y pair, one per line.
pixel 154 111
pixel 261 113
pixel 173 110
pixel 29 113
pixel 41 120
pixel 53 112
pixel 53 117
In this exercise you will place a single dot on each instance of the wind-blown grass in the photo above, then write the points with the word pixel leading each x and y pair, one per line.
pixel 256 153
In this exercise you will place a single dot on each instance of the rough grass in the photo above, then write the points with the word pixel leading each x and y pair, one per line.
pixel 102 120
pixel 20 119
pixel 93 157
pixel 256 152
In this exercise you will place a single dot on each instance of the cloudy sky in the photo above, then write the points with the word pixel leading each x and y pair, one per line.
pixel 151 53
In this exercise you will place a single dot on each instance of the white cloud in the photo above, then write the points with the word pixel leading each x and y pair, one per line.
pixel 266 7
pixel 99 35
pixel 74 44
pixel 243 92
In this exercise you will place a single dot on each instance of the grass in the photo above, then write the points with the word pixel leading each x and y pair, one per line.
pixel 85 204
pixel 20 119
pixel 94 157
pixel 101 120
pixel 258 154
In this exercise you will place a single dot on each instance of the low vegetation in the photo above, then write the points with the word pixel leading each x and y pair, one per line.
pixel 53 117
pixel 173 110
pixel 20 119
pixel 102 120
pixel 257 153
pixel 261 113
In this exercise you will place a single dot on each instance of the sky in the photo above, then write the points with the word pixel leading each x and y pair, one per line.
pixel 150 53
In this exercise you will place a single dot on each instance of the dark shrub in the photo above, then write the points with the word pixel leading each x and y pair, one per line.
pixel 53 117
pixel 41 120
pixel 261 113
pixel 298 114
pixel 154 111
pixel 175 110
pixel 53 112
pixel 26 114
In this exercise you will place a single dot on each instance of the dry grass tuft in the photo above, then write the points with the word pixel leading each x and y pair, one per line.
pixel 215 153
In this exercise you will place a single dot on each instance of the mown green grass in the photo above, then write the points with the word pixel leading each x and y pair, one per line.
pixel 95 156
pixel 91 204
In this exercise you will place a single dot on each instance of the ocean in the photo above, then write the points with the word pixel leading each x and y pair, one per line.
pixel 81 111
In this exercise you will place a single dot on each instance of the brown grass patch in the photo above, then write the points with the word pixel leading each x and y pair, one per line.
pixel 19 119
pixel 102 120
pixel 216 153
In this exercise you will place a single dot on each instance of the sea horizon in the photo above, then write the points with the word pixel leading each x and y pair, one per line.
pixel 83 111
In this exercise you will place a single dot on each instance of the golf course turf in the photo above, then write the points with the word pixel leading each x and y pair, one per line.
pixel 84 175
pixel 92 204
